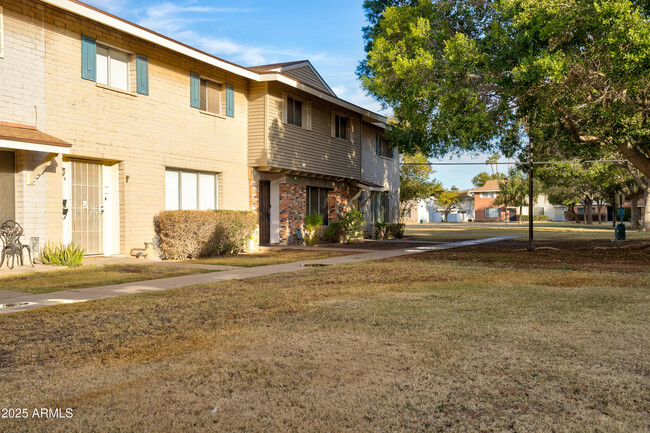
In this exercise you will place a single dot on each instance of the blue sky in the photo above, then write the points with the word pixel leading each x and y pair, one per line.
pixel 255 32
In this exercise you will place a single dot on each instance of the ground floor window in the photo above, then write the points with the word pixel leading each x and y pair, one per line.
pixel 492 212
pixel 317 202
pixel 379 207
pixel 190 190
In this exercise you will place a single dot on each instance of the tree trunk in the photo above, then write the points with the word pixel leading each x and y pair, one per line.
pixel 599 205
pixel 519 216
pixel 646 209
pixel 634 210
pixel 588 214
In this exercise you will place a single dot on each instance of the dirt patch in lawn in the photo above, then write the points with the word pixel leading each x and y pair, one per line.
pixel 265 258
pixel 593 255
pixel 379 245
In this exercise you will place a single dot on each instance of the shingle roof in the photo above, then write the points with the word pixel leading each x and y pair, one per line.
pixel 28 134
pixel 490 186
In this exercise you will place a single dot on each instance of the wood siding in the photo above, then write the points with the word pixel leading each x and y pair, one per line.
pixel 257 124
pixel 294 148
pixel 306 75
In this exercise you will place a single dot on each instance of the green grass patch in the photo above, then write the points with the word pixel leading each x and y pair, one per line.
pixel 90 276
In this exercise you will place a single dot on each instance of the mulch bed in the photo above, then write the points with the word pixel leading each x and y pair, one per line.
pixel 597 255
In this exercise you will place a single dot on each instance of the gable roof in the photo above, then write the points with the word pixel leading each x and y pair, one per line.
pixel 105 18
pixel 490 186
pixel 301 70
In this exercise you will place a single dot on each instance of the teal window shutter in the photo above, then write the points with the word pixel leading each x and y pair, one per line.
pixel 88 58
pixel 377 145
pixel 142 74
pixel 195 90
pixel 230 101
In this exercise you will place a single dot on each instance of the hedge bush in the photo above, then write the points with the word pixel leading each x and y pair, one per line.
pixel 535 217
pixel 193 233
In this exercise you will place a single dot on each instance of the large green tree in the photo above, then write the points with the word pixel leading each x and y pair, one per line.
pixel 478 74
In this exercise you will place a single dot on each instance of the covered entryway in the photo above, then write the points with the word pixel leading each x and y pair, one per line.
pixel 87 205
pixel 265 212
pixel 7 186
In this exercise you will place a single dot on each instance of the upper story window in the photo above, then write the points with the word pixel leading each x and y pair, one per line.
pixel 294 112
pixel 113 67
pixel 383 148
pixel 211 96
pixel 341 127
pixel 488 195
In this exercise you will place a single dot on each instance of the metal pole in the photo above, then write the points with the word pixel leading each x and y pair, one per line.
pixel 505 193
pixel 531 245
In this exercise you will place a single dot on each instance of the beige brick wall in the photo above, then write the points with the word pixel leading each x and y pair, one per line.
pixel 144 134
pixel 22 69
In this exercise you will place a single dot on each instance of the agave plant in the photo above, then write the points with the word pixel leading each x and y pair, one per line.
pixel 69 255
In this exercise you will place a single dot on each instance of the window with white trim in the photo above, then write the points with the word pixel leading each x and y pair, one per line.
pixel 113 67
pixel 492 212
pixel 341 127
pixel 191 190
pixel 488 195
pixel 211 96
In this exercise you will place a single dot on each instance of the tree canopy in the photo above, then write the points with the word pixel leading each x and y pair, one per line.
pixel 485 75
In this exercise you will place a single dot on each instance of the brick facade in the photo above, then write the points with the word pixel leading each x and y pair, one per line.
pixel 338 203
pixel 293 208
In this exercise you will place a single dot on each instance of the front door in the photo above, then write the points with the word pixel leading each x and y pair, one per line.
pixel 265 212
pixel 7 187
pixel 86 207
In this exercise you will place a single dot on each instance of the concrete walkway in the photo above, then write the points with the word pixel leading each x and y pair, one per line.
pixel 11 302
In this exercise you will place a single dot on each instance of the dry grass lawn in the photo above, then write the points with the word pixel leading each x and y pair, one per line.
pixel 89 276
pixel 543 231
pixel 400 345
pixel 265 258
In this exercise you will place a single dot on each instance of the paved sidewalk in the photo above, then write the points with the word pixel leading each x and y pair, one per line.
pixel 11 302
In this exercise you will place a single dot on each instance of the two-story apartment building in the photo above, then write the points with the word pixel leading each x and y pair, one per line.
pixel 104 123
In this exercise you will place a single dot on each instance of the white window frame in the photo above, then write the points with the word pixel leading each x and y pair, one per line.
pixel 180 173
pixel 108 66
pixel 498 212
pixel 220 86
pixel 2 34
pixel 305 112
pixel 488 195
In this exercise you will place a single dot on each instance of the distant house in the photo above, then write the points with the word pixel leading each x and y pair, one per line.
pixel 429 211
pixel 484 207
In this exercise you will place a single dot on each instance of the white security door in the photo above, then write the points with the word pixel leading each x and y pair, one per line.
pixel 87 206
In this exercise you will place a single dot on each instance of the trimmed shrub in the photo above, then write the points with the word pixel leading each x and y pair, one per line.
pixel 352 224
pixel 335 232
pixel 312 222
pixel 193 233
pixel 396 230
pixel 69 255
pixel 381 230
pixel 535 217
